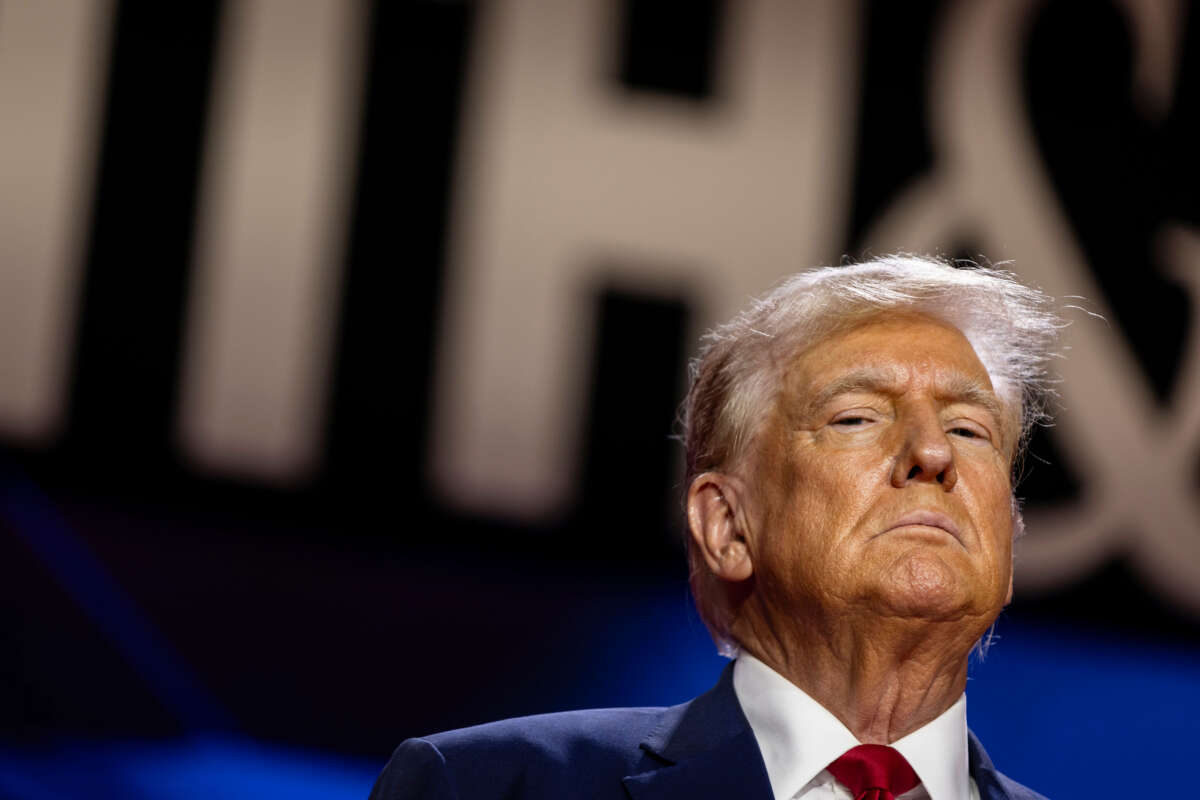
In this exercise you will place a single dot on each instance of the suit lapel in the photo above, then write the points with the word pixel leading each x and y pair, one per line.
pixel 701 749
pixel 705 748
pixel 985 775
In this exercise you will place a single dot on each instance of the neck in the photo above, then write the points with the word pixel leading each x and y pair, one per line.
pixel 882 677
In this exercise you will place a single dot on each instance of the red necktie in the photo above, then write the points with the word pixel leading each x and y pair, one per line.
pixel 874 772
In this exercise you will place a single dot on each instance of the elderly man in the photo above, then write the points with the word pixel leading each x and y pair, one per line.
pixel 851 439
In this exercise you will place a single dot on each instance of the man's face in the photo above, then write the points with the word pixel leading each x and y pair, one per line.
pixel 880 483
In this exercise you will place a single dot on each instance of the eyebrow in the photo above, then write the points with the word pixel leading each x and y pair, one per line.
pixel 959 388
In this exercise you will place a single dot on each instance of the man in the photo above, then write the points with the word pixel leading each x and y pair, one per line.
pixel 851 440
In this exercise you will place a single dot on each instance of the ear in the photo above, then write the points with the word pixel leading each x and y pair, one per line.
pixel 717 522
pixel 1018 530
pixel 1008 597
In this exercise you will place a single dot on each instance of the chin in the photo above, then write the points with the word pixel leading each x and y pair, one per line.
pixel 926 587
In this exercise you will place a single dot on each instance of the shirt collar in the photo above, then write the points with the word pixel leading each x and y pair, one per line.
pixel 798 737
pixel 937 752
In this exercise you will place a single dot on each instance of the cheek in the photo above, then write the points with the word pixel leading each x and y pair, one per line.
pixel 993 500
pixel 850 480
pixel 830 498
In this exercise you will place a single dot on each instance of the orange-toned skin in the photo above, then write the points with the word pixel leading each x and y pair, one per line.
pixel 871 617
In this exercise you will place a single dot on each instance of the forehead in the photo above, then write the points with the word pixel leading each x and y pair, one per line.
pixel 893 350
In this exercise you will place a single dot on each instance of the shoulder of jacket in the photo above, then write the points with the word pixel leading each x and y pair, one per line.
pixel 557 734
pixel 1016 790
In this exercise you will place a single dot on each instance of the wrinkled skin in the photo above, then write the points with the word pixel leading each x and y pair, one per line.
pixel 867 538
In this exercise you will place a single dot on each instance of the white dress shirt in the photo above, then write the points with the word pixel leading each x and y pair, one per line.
pixel 798 738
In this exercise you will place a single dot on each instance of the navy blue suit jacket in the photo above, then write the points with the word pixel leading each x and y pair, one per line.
pixel 703 748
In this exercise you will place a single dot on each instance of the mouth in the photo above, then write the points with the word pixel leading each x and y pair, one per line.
pixel 927 519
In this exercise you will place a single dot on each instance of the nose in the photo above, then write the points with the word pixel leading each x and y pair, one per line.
pixel 926 454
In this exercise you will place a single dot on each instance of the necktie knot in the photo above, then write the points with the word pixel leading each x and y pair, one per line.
pixel 874 772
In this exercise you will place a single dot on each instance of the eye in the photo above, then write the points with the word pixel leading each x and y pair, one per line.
pixel 853 419
pixel 966 433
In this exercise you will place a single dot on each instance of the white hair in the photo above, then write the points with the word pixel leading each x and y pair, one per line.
pixel 736 376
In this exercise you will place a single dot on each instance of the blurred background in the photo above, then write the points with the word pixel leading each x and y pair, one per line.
pixel 341 345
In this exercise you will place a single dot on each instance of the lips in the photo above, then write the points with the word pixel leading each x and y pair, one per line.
pixel 928 519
